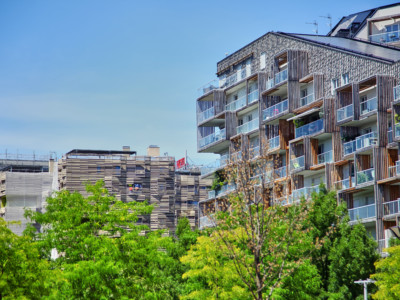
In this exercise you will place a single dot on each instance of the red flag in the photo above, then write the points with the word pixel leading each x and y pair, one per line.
pixel 180 163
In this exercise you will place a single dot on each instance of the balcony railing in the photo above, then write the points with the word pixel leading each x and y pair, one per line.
pixel 253 96
pixel 281 76
pixel 273 143
pixel 390 136
pixel 219 163
pixel 204 115
pixel 275 110
pixel 297 163
pixel 391 208
pixel 236 77
pixel 394 170
pixel 249 126
pixel 281 172
pixel 324 158
pixel 206 221
pixel 397 130
pixel 237 104
pixel 310 128
pixel 307 100
pixel 236 156
pixel 303 192
pixel 269 84
pixel 227 188
pixel 345 184
pixel 345 112
pixel 362 212
pixel 365 176
pixel 368 106
pixel 396 93
pixel 349 147
pixel 212 85
pixel 254 152
pixel 366 140
pixel 385 37
pixel 212 138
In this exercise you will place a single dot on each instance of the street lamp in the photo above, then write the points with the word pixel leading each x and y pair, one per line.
pixel 365 283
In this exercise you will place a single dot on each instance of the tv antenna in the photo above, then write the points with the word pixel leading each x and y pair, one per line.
pixel 315 24
pixel 328 16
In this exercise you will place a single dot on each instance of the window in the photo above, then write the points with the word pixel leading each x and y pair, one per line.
pixel 98 169
pixel 345 78
pixel 303 93
pixel 240 122
pixel 117 170
pixel 249 118
pixel 334 85
pixel 320 149
pixel 392 32
pixel 262 61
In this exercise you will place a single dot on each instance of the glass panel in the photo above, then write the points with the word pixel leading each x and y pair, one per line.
pixel 366 140
pixel 390 208
pixel 212 138
pixel 365 176
pixel 235 105
pixel 324 157
pixel 307 99
pixel 212 85
pixel 297 163
pixel 206 114
pixel 368 106
pixel 362 212
pixel 281 76
pixel 310 128
pixel 249 126
pixel 275 110
pixel 253 96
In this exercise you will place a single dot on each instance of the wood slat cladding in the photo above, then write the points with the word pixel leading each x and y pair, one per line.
pixel 384 92
pixel 297 64
pixel 297 182
pixel 262 79
pixel 219 101
pixel 381 164
pixel 286 133
pixel 230 124
pixel 379 196
pixel 356 101
pixel 330 116
pixel 337 146
pixel 393 156
pixel 382 128
pixel 308 159
pixel 318 86
pixel 331 176
pixel 293 95
pixel 314 151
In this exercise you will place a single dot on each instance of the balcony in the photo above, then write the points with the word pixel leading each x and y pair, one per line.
pixel 236 156
pixel 237 104
pixel 344 113
pixel 225 189
pixel 396 93
pixel 397 130
pixel 345 184
pixel 391 208
pixel 205 115
pixel 362 212
pixel 275 110
pixel 281 172
pixel 254 152
pixel 349 147
pixel 307 100
pixel 394 170
pixel 212 138
pixel 236 77
pixel 365 176
pixel 219 163
pixel 297 163
pixel 269 84
pixel 253 96
pixel 273 143
pixel 385 37
pixel 249 126
pixel 368 106
pixel 324 158
pixel 206 221
pixel 310 128
pixel 281 76
pixel 303 192
pixel 366 140
pixel 212 85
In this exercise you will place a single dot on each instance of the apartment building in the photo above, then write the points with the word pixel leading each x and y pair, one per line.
pixel 327 107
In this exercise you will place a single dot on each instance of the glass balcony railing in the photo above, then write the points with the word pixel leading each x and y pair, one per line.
pixel 398 167
pixel 324 158
pixel 219 163
pixel 281 172
pixel 236 77
pixel 273 143
pixel 237 104
pixel 204 115
pixel 349 147
pixel 397 130
pixel 396 93
pixel 391 208
pixel 368 106
pixel 297 163
pixel 254 152
pixel 249 126
pixel 269 84
pixel 275 110
pixel 365 176
pixel 385 37
pixel 392 171
pixel 366 140
pixel 303 192
pixel 390 136
pixel 212 85
pixel 236 156
pixel 212 138
pixel 206 221
pixel 345 184
pixel 362 212
pixel 310 128
pixel 225 189
pixel 281 76
pixel 307 100
pixel 344 112
pixel 253 96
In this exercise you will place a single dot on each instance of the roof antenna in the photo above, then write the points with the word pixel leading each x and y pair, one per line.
pixel 316 26
pixel 328 16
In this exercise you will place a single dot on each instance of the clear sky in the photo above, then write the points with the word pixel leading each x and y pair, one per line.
pixel 96 74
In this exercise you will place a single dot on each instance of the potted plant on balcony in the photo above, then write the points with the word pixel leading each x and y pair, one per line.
pixel 298 123
pixel 362 178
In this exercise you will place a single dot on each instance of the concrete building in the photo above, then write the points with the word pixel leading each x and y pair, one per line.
pixel 325 107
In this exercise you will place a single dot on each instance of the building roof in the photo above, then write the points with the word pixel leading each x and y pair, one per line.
pixel 99 152
pixel 380 52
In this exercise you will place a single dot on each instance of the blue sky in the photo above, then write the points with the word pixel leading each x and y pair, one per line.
pixel 104 74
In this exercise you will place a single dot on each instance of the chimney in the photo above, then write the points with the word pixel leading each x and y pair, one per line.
pixel 126 148
pixel 153 151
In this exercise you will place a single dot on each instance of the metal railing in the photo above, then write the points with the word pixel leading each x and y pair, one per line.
pixel 204 115
pixel 385 37
pixel 297 163
pixel 281 76
pixel 391 208
pixel 275 110
pixel 345 183
pixel 280 172
pixel 237 104
pixel 307 100
pixel 212 138
pixel 212 85
pixel 365 176
pixel 310 128
pixel 362 212
pixel 252 97
pixel 368 106
pixel 303 192
pixel 249 126
pixel 366 140
pixel 344 112
pixel 396 93
pixel 273 143
pixel 324 158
